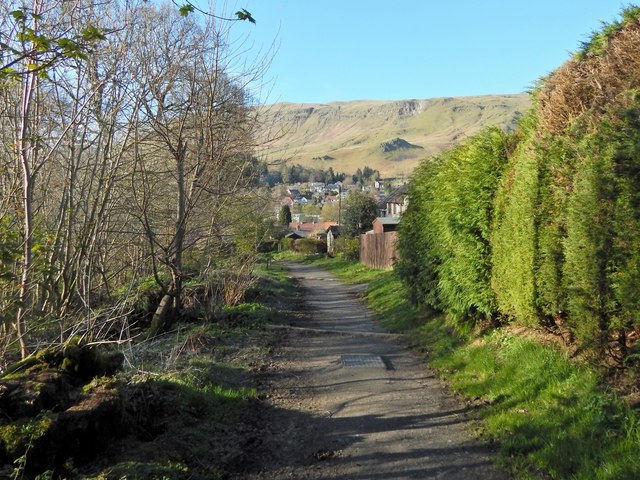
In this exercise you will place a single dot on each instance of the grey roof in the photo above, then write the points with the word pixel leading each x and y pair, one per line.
pixel 397 196
pixel 296 234
pixel 389 220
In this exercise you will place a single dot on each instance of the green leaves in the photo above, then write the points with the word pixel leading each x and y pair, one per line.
pixel 42 43
pixel 245 15
pixel 18 15
pixel 35 50
pixel 186 9
pixel 68 45
pixel 359 214
pixel 93 34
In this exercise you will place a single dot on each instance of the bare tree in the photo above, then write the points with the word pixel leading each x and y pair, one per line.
pixel 194 141
pixel 116 161
pixel 56 141
pixel 89 167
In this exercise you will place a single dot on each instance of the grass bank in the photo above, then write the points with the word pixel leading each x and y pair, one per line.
pixel 190 395
pixel 551 416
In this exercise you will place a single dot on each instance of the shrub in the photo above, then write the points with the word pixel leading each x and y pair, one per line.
pixel 602 246
pixel 247 314
pixel 286 244
pixel 556 169
pixel 309 246
pixel 462 211
pixel 513 235
pixel 348 248
pixel 418 263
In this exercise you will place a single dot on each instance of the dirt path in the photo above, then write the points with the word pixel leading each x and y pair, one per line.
pixel 350 402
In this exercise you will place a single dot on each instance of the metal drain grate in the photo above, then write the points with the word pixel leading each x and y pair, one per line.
pixel 370 361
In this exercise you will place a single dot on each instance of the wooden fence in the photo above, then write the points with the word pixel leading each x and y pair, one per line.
pixel 378 250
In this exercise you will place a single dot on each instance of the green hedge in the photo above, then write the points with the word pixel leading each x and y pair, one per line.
pixel 545 233
pixel 602 246
pixel 444 244
pixel 418 263
pixel 513 235
pixel 539 227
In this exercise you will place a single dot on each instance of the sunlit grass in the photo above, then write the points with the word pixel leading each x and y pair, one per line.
pixel 345 270
pixel 547 412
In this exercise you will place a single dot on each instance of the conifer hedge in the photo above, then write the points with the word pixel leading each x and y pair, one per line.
pixel 417 240
pixel 513 235
pixel 542 226
pixel 446 252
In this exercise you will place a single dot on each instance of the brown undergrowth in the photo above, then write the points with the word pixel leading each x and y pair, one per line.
pixel 592 80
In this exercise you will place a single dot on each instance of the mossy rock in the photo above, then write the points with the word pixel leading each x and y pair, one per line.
pixel 26 396
pixel 81 362
pixel 46 413
pixel 23 366
pixel 87 362
pixel 48 440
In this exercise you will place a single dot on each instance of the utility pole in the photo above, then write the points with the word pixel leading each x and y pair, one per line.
pixel 339 203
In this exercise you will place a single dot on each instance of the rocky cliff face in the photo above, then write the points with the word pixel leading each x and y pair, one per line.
pixel 398 144
pixel 351 133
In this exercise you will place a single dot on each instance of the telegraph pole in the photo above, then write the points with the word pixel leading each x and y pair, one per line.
pixel 339 203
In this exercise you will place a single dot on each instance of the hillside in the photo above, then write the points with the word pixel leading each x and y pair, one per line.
pixel 391 136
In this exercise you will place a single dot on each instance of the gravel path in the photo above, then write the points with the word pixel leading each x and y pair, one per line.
pixel 348 401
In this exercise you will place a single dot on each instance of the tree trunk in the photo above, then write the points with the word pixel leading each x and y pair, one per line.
pixel 161 316
pixel 25 152
pixel 181 221
pixel 24 299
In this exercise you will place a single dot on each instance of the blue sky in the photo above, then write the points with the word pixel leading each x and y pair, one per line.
pixel 336 50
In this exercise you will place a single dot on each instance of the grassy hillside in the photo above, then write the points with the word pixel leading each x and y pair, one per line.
pixel 352 133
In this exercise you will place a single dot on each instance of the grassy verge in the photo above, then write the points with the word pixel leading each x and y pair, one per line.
pixel 347 271
pixel 551 416
pixel 548 413
pixel 274 287
pixel 181 401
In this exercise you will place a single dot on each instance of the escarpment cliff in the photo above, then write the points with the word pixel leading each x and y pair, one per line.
pixel 390 136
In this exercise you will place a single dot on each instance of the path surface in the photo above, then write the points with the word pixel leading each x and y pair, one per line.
pixel 350 402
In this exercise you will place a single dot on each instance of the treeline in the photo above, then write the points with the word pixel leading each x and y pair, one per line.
pixel 542 226
pixel 365 176
pixel 300 174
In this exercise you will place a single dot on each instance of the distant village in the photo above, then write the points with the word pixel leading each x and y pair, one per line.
pixel 316 207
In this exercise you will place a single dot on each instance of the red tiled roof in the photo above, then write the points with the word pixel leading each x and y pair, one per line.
pixel 311 227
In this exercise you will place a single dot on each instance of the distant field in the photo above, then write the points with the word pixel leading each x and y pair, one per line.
pixel 351 133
